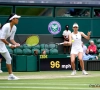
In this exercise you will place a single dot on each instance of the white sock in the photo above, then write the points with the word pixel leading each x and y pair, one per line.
pixel 74 70
pixel 0 66
pixel 61 43
pixel 11 74
pixel 83 70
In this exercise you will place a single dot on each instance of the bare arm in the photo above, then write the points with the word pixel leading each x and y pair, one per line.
pixel 12 39
pixel 5 41
pixel 86 36
pixel 13 42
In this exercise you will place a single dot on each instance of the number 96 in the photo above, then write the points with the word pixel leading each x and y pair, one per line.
pixel 55 64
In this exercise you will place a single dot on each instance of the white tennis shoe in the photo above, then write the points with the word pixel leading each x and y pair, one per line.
pixel 84 72
pixel 1 71
pixel 73 72
pixel 12 77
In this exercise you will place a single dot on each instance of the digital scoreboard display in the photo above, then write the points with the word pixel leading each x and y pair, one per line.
pixel 53 64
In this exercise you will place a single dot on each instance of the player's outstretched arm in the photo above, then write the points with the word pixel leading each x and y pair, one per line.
pixel 86 36
pixel 66 42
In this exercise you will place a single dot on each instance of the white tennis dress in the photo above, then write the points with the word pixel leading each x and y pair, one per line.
pixel 4 34
pixel 77 43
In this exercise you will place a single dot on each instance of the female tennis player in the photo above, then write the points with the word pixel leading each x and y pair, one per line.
pixel 76 49
pixel 8 30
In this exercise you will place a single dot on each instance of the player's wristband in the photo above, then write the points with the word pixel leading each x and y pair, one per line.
pixel 10 45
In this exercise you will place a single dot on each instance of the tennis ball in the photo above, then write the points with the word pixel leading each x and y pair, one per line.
pixel 72 40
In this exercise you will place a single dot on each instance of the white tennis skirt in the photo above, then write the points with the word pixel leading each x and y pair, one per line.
pixel 76 50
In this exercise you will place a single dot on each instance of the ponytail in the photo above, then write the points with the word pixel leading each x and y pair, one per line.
pixel 7 20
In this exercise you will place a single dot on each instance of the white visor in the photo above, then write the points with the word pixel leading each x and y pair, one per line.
pixel 75 25
pixel 15 16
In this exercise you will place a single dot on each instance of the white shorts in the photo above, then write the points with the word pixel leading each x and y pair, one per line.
pixel 76 50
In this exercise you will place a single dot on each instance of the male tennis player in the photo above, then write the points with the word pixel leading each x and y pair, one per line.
pixel 8 30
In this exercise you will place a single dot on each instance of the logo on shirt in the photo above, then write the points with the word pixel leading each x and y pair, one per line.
pixel 54 27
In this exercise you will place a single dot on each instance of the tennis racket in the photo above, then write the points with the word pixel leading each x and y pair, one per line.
pixel 32 40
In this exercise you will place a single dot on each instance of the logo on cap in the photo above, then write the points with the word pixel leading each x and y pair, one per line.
pixel 54 27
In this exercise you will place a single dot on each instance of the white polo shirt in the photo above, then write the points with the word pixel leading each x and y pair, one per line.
pixel 66 33
pixel 6 32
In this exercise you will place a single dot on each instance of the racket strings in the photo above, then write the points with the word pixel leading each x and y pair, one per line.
pixel 32 40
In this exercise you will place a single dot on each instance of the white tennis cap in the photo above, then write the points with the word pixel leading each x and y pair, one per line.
pixel 15 16
pixel 75 25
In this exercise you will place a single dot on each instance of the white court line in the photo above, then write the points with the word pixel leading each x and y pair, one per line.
pixel 61 88
pixel 51 77
pixel 43 84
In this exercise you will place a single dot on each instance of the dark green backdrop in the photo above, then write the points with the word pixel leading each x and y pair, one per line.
pixel 39 25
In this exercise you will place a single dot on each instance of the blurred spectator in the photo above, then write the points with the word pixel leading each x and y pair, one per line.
pixel 92 48
pixel 43 52
pixel 87 13
pixel 66 34
pixel 35 53
pixel 97 13
pixel 86 55
pixel 84 48
pixel 71 11
pixel 94 13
